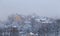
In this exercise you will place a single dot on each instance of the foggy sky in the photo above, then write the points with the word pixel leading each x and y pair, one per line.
pixel 50 8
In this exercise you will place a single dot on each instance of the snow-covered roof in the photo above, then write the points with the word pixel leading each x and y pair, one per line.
pixel 31 33
pixel 27 21
pixel 38 20
pixel 46 20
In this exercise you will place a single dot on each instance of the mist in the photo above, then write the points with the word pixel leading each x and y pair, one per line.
pixel 49 8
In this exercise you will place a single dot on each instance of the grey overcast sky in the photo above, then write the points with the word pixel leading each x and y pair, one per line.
pixel 50 8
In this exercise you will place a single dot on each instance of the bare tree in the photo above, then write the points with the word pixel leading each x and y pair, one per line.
pixel 58 27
